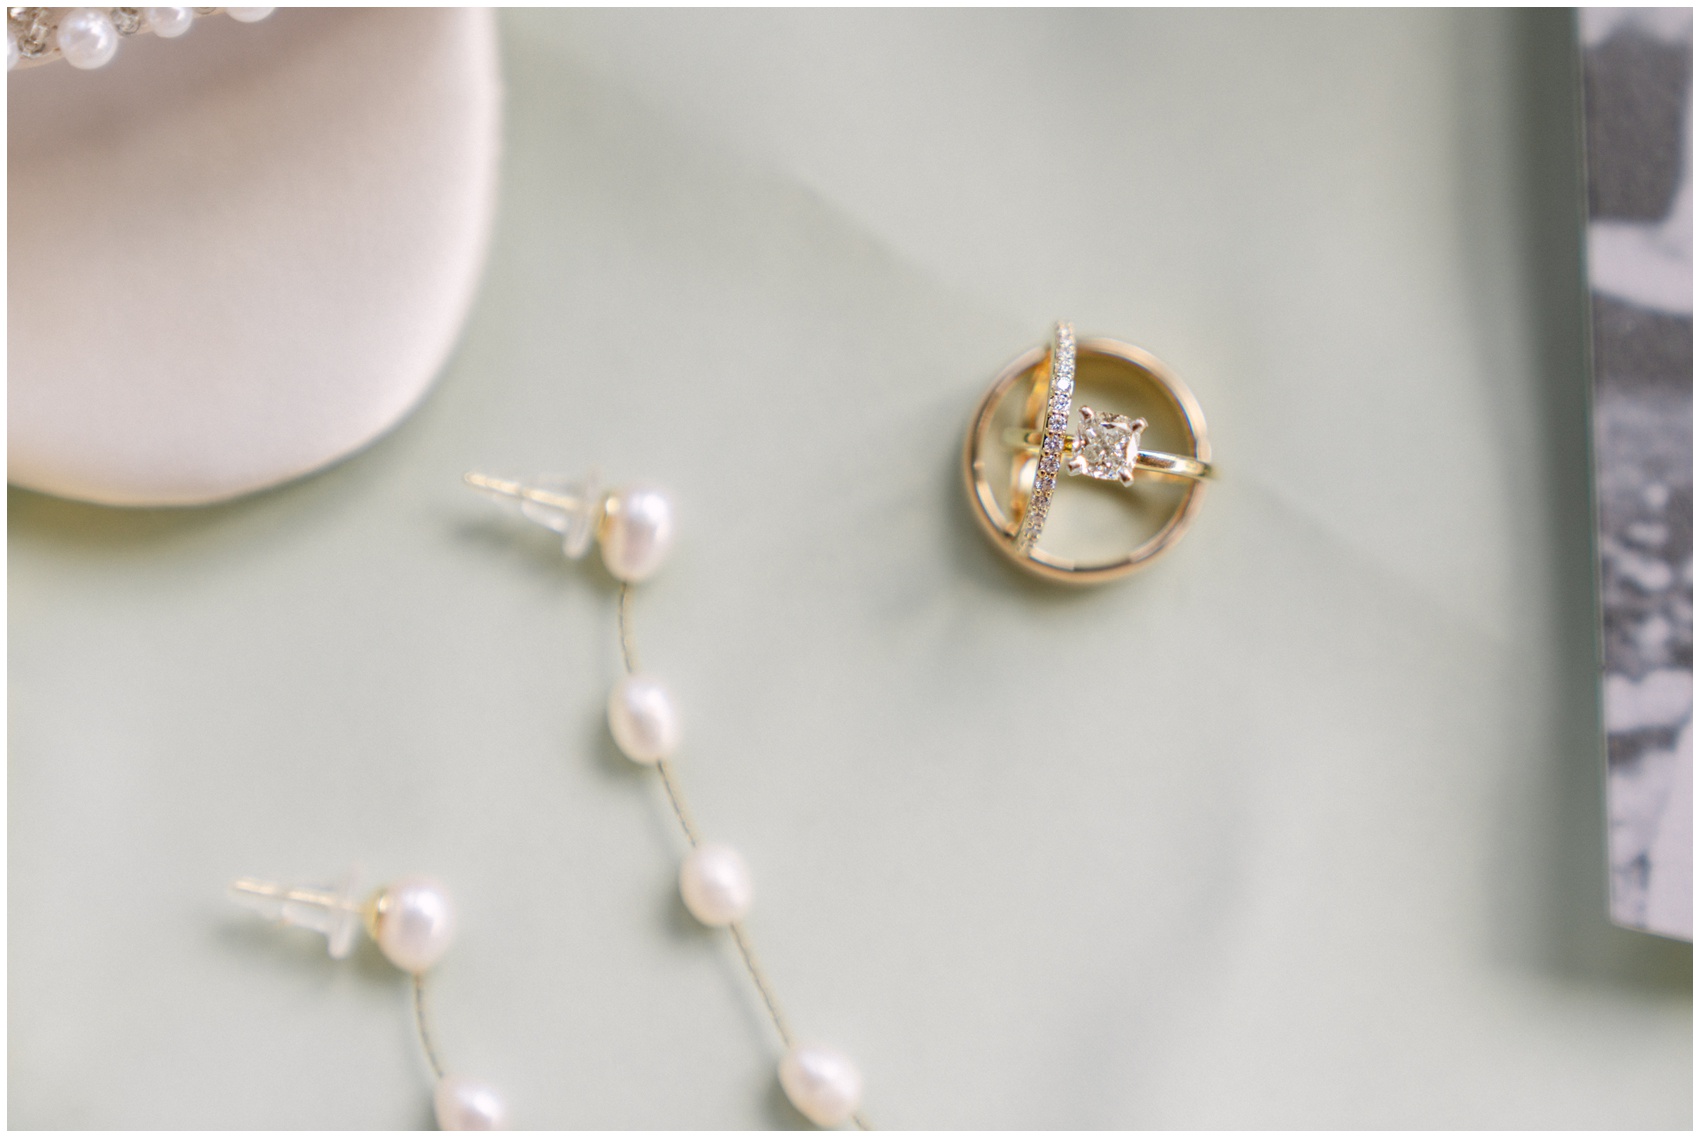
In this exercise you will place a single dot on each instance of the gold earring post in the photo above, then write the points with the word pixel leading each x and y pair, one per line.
pixel 508 488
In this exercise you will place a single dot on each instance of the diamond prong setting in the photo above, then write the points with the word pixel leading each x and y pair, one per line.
pixel 1107 447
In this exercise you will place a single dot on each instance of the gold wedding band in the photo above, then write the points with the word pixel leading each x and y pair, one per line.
pixel 1019 446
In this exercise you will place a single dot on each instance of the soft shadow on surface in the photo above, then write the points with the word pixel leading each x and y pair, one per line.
pixel 87 528
pixel 264 944
pixel 781 1115
pixel 1561 928
pixel 91 528
pixel 536 551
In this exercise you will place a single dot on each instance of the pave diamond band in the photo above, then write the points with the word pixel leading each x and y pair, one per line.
pixel 1055 419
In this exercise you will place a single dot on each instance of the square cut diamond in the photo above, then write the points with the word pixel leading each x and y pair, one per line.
pixel 1107 446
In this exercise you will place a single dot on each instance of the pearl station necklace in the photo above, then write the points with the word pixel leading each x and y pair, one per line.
pixel 87 38
pixel 412 920
pixel 634 528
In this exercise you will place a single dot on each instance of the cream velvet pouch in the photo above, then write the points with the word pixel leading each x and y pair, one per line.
pixel 241 255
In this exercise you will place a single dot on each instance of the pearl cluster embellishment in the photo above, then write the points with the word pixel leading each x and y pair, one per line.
pixel 634 527
pixel 87 38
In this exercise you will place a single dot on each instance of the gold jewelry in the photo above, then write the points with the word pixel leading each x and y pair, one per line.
pixel 1021 424
pixel 412 921
pixel 1055 410
pixel 1115 464
pixel 634 527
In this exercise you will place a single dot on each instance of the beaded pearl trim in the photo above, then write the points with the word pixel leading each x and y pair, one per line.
pixel 88 37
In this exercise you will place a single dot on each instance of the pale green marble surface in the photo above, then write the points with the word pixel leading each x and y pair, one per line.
pixel 1342 868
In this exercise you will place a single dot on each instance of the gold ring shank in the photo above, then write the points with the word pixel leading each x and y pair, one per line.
pixel 1147 461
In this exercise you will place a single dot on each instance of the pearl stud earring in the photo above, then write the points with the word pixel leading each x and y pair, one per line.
pixel 412 921
pixel 634 525
pixel 635 529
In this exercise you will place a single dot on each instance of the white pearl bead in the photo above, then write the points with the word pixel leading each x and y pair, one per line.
pixel 169 23
pixel 636 532
pixel 86 38
pixel 466 1104
pixel 642 719
pixel 715 885
pixel 821 1083
pixel 248 15
pixel 415 923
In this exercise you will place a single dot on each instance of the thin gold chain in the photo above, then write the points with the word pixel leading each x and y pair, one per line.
pixel 681 811
pixel 426 1042
pixel 748 952
pixel 627 651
